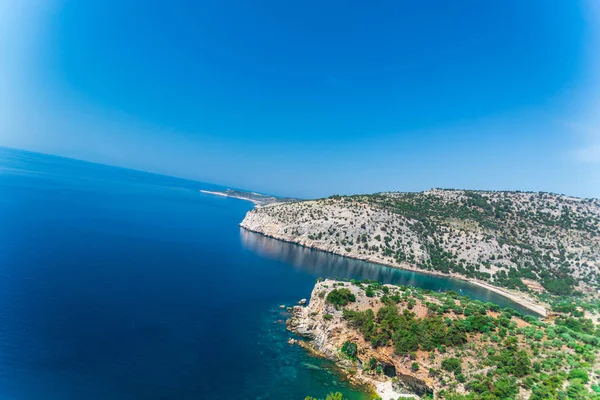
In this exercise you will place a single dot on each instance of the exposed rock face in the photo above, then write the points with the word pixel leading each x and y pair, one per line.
pixel 500 237
pixel 407 341
pixel 328 334
pixel 302 222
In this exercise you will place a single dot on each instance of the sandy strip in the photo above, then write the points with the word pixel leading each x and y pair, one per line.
pixel 386 391
pixel 233 197
pixel 520 298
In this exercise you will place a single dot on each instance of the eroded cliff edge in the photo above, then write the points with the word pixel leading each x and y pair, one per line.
pixel 517 244
pixel 405 341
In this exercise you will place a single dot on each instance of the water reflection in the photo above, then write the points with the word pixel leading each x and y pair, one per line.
pixel 326 265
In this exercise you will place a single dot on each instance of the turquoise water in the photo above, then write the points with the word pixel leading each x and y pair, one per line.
pixel 117 284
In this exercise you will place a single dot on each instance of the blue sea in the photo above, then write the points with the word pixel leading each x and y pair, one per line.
pixel 119 284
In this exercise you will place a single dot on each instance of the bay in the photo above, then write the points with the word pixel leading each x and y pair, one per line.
pixel 120 284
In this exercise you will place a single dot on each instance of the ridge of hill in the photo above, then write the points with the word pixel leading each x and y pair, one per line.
pixel 531 241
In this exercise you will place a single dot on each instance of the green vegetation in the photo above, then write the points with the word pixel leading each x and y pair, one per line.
pixel 505 238
pixel 469 349
pixel 506 221
pixel 409 333
pixel 350 349
pixel 452 364
pixel 506 353
pixel 340 297
pixel 578 373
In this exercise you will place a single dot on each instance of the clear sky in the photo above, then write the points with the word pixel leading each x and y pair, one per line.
pixel 312 98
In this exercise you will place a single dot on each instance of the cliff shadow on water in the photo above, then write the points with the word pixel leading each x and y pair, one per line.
pixel 320 264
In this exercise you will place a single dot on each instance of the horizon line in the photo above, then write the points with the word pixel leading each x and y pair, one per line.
pixel 270 194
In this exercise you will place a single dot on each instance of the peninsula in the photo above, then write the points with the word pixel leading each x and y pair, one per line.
pixel 410 342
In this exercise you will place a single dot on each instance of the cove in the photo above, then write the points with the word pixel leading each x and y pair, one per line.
pixel 326 265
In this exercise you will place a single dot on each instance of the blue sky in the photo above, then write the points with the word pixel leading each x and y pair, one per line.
pixel 312 98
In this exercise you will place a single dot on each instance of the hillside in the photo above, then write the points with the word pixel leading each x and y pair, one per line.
pixel 516 240
pixel 404 340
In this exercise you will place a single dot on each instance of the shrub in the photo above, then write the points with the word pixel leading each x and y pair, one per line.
pixel 579 373
pixel 350 349
pixel 372 363
pixel 341 297
pixel 505 388
pixel 452 364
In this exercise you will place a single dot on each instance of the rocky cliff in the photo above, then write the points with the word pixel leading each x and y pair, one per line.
pixel 324 325
pixel 526 241
pixel 406 341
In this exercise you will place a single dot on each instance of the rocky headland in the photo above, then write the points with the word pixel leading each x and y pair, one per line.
pixel 409 342
pixel 515 243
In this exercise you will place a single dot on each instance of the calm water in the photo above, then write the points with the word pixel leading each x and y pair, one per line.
pixel 116 284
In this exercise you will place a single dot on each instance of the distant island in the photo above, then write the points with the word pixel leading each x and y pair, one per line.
pixel 256 198
pixel 410 342
pixel 523 245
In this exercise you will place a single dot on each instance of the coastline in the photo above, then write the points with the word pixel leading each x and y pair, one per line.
pixel 519 298
pixel 332 324
pixel 256 202
pixel 376 389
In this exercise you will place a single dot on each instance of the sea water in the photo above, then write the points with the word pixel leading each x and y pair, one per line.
pixel 119 284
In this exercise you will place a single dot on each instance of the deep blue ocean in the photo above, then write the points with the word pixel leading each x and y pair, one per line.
pixel 118 284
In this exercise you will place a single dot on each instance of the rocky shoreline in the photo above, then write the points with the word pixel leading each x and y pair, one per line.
pixel 250 224
pixel 326 336
pixel 406 342
pixel 528 242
